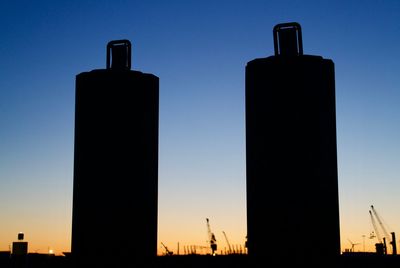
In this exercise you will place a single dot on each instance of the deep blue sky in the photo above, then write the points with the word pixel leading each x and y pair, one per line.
pixel 199 50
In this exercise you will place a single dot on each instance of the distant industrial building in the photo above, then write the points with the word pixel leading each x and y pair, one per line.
pixel 291 157
pixel 114 220
pixel 20 247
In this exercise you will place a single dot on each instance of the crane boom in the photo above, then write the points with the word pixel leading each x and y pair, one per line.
pixel 168 252
pixel 380 222
pixel 375 227
pixel 227 241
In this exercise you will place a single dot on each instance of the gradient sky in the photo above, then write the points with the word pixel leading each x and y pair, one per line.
pixel 199 50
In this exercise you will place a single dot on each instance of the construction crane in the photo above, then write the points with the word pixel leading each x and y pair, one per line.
pixel 386 234
pixel 167 251
pixel 211 237
pixel 380 247
pixel 227 242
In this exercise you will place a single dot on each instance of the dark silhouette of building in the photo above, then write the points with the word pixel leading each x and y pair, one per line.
pixel 20 247
pixel 114 219
pixel 291 157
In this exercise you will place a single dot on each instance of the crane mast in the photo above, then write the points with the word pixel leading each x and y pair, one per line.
pixel 211 237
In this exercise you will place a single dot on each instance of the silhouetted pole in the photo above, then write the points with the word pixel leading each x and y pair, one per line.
pixel 114 220
pixel 292 187
pixel 393 243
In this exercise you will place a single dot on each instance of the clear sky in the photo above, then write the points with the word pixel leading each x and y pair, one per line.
pixel 199 50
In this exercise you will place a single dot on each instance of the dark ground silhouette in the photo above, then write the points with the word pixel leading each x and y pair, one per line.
pixel 367 260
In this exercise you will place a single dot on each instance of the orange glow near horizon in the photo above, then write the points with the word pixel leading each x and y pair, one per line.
pixel 40 241
pixel 45 231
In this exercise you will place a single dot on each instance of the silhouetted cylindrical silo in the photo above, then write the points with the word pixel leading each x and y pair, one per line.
pixel 291 157
pixel 116 164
